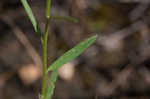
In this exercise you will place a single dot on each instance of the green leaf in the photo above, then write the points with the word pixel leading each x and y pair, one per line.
pixel 51 85
pixel 31 16
pixel 71 54
pixel 65 18
pixel 68 56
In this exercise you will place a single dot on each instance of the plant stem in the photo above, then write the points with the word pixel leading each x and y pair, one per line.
pixel 45 41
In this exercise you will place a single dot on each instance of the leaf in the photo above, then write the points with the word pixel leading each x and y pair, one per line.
pixel 51 85
pixel 68 56
pixel 31 16
pixel 65 18
pixel 71 54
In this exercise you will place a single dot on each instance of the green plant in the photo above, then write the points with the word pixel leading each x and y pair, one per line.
pixel 68 56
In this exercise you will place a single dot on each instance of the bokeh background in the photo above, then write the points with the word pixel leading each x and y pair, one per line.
pixel 116 66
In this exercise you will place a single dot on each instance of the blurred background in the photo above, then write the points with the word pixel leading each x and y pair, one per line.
pixel 116 66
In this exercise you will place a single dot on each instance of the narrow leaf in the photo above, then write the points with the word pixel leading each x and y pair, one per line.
pixel 51 85
pixel 31 16
pixel 71 54
pixel 65 18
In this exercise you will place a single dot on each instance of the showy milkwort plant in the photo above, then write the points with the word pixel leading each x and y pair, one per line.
pixel 47 92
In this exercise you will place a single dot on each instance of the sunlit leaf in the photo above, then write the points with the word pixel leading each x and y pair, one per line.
pixel 31 16
pixel 73 53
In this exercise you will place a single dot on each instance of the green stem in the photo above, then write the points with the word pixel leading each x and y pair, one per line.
pixel 45 41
